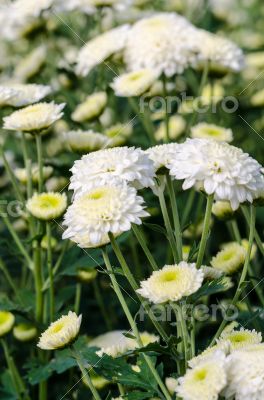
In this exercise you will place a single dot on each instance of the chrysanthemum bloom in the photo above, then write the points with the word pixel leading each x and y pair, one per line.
pixel 211 131
pixel 172 283
pixel 211 273
pixel 47 206
pixel 230 259
pixel 85 141
pixel 244 244
pixel 31 64
pixel 57 183
pixel 163 42
pixel 109 208
pixel 34 118
pixel 61 333
pixel 222 54
pixel 148 338
pixel 212 93
pixel 91 108
pixel 162 155
pixel 257 100
pixel 6 95
pixel 21 174
pixel 45 242
pixel 220 168
pixel 97 50
pixel 86 275
pixel 7 321
pixel 222 210
pixel 134 83
pixel 127 163
pixel 204 381
pixel 22 95
pixel 241 339
pixel 171 384
pixel 25 332
pixel 177 125
pixel 118 134
pixel 245 372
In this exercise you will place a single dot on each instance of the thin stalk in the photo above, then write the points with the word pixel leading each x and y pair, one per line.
pixel 188 206
pixel 166 116
pixel 144 247
pixel 57 266
pixel 175 214
pixel 244 271
pixel 9 279
pixel 206 227
pixel 40 161
pixel 12 177
pixel 235 230
pixel 100 302
pixel 27 163
pixel 85 373
pixel 183 332
pixel 78 294
pixel 51 280
pixel 144 118
pixel 257 237
pixel 133 325
pixel 38 282
pixel 18 242
pixel 168 226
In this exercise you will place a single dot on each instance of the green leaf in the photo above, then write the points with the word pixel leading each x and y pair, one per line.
pixel 156 228
pixel 209 288
pixel 136 395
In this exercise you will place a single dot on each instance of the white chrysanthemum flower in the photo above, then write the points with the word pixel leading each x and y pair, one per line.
pixel 222 210
pixel 6 95
pixel 75 5
pixel 212 93
pixel 61 332
pixel 22 95
pixel 100 48
pixel 241 339
pixel 177 124
pixel 34 118
pixel 220 168
pixel 171 384
pixel 222 347
pixel 257 100
pixel 57 183
pixel 221 53
pixel 211 273
pixel 118 134
pixel 211 131
pixel 162 155
pixel 21 174
pixel 162 42
pixel 230 259
pixel 245 372
pixel 205 381
pixel 25 332
pixel 91 108
pixel 47 206
pixel 244 244
pixel 115 343
pixel 134 83
pixel 7 321
pixel 109 208
pixel 85 141
pixel 126 163
pixel 31 64
pixel 172 283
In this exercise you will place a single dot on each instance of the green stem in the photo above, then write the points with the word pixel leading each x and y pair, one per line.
pixel 188 206
pixel 257 237
pixel 143 244
pixel 166 116
pixel 10 280
pixel 244 271
pixel 100 302
pixel 183 333
pixel 132 324
pixel 40 161
pixel 78 294
pixel 51 280
pixel 235 230
pixel 57 266
pixel 175 214
pixel 18 242
pixel 144 118
pixel 85 374
pixel 12 177
pixel 206 227
pixel 38 282
pixel 27 163
pixel 168 226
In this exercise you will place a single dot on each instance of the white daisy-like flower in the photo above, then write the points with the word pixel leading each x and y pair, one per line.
pixel 241 339
pixel 163 42
pixel 85 141
pixel 118 134
pixel 211 131
pixel 209 352
pixel 34 118
pixel 61 332
pixel 244 243
pixel 91 108
pixel 177 124
pixel 127 163
pixel 205 381
pixel 31 64
pixel 222 210
pixel 221 53
pixel 74 5
pixel 171 384
pixel 22 95
pixel 211 273
pixel 134 83
pixel 172 283
pixel 47 206
pixel 107 208
pixel 230 259
pixel 219 168
pixel 25 332
pixel 21 174
pixel 245 372
pixel 101 48
pixel 162 155
pixel 115 343
pixel 7 321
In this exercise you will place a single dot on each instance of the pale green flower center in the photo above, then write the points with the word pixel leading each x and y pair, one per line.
pixel 200 375
pixel 57 327
pixel 169 276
